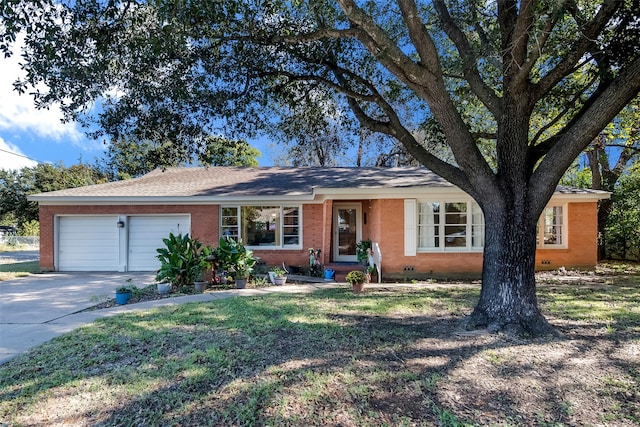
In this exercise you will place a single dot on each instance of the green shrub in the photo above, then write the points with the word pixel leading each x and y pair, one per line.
pixel 234 258
pixel 180 260
pixel 356 276
pixel 362 249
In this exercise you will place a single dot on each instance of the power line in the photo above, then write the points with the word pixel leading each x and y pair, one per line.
pixel 21 155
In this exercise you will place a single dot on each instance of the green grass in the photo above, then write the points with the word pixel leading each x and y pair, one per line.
pixel 599 303
pixel 18 269
pixel 329 358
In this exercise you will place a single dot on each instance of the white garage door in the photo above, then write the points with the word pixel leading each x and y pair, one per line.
pixel 88 243
pixel 146 234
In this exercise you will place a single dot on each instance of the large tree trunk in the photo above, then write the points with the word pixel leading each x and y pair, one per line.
pixel 508 297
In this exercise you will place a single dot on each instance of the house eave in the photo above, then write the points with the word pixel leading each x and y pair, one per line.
pixel 318 195
pixel 188 200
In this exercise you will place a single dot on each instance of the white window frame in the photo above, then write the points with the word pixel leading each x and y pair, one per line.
pixel 471 208
pixel 542 225
pixel 281 226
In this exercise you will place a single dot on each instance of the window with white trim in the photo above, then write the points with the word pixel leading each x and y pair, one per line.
pixel 551 228
pixel 450 225
pixel 262 226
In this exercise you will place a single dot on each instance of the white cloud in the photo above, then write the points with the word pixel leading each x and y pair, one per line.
pixel 11 158
pixel 18 113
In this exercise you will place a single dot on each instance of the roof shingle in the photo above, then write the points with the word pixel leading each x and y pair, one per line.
pixel 262 181
pixel 217 182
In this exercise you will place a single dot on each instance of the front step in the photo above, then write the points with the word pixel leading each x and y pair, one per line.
pixel 342 268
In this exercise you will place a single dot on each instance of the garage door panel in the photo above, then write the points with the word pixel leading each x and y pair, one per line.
pixel 92 242
pixel 88 243
pixel 146 234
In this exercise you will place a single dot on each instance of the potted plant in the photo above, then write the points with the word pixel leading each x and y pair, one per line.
pixel 204 266
pixel 234 258
pixel 278 276
pixel 371 271
pixel 362 250
pixel 163 287
pixel 200 285
pixel 123 294
pixel 356 278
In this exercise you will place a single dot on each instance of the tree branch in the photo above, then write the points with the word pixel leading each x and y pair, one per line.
pixel 519 42
pixel 469 60
pixel 544 146
pixel 394 128
pixel 589 33
pixel 576 137
pixel 483 36
pixel 386 51
pixel 538 47
pixel 313 36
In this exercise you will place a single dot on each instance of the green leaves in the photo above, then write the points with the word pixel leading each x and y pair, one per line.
pixel 234 258
pixel 220 151
pixel 623 224
pixel 15 186
pixel 180 260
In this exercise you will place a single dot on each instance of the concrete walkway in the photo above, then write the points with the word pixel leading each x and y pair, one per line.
pixel 37 308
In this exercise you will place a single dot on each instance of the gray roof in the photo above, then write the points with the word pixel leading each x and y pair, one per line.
pixel 251 182
pixel 563 189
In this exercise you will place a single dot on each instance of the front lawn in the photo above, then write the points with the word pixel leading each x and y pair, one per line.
pixel 391 357
pixel 14 270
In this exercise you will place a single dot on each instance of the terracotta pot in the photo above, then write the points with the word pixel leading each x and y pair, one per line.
pixel 357 287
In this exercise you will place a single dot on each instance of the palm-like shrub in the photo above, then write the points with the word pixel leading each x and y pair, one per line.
pixel 234 258
pixel 180 260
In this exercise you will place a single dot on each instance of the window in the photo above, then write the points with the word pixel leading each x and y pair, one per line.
pixel 229 222
pixel 551 227
pixel 274 226
pixel 459 226
pixel 477 226
pixel 450 226
pixel 455 227
pixel 429 225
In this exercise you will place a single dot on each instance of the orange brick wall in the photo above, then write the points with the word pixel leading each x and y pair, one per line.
pixel 387 228
pixel 313 235
pixel 204 221
pixel 582 241
pixel 385 225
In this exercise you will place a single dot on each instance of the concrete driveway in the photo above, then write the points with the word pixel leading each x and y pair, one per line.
pixel 37 308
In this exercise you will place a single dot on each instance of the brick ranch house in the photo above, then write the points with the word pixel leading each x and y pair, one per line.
pixel 422 225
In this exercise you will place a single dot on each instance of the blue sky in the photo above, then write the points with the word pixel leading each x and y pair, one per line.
pixel 28 135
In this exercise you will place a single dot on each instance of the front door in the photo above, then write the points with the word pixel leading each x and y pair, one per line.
pixel 347 231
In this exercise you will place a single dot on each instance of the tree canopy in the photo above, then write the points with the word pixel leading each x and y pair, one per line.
pixel 517 88
pixel 221 151
pixel 126 159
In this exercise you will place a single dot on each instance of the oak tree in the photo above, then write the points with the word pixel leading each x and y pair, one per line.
pixel 176 70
